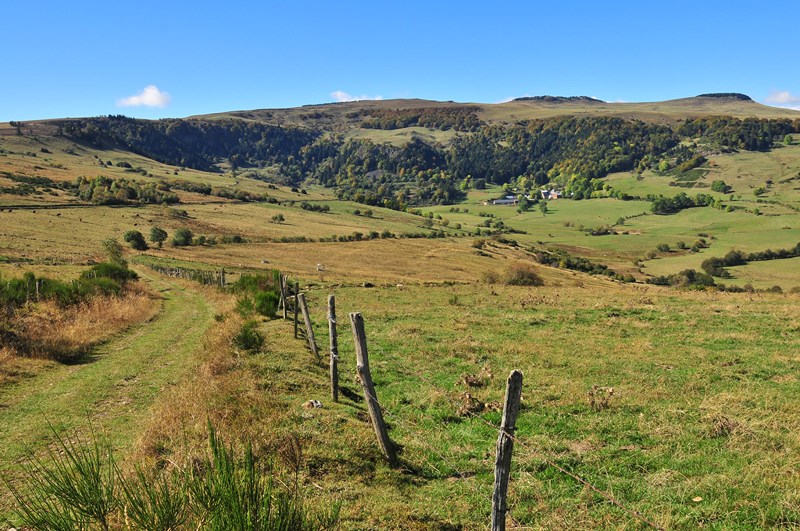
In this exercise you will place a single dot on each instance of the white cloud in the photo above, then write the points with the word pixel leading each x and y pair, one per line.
pixel 783 98
pixel 340 95
pixel 150 96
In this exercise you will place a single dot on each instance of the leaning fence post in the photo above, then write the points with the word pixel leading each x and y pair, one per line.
pixel 296 309
pixel 374 408
pixel 334 361
pixel 312 344
pixel 505 444
pixel 284 302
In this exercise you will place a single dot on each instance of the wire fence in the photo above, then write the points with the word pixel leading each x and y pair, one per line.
pixel 417 432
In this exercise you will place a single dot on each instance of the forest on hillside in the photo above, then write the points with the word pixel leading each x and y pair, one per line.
pixel 569 152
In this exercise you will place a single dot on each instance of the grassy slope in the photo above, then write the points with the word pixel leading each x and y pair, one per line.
pixel 704 402
pixel 114 387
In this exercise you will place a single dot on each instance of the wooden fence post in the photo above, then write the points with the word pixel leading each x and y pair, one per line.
pixel 374 408
pixel 505 444
pixel 284 303
pixel 334 361
pixel 312 344
pixel 222 278
pixel 296 309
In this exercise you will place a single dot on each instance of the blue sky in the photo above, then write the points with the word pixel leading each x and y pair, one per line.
pixel 173 58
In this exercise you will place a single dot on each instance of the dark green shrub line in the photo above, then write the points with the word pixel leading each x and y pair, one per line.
pixel 561 259
pixel 716 266
pixel 102 279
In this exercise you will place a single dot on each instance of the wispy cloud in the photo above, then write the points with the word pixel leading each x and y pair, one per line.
pixel 150 96
pixel 783 98
pixel 340 95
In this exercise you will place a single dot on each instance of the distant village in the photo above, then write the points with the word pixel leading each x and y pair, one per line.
pixel 513 200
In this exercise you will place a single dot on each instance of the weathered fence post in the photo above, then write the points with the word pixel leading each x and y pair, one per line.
pixel 334 362
pixel 374 408
pixel 284 302
pixel 296 309
pixel 505 444
pixel 312 344
pixel 222 278
pixel 38 289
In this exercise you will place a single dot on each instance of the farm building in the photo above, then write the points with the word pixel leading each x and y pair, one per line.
pixel 507 200
pixel 552 194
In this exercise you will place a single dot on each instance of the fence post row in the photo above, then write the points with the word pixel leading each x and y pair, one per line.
pixel 312 344
pixel 505 444
pixel 334 361
pixel 374 408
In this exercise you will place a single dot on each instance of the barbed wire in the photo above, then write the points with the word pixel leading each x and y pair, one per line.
pixel 540 455
pixel 534 452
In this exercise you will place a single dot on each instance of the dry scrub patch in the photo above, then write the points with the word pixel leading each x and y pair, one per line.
pixel 46 331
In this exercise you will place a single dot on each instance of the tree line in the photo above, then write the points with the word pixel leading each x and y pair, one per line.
pixel 571 153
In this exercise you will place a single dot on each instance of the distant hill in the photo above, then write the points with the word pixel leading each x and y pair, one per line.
pixel 431 151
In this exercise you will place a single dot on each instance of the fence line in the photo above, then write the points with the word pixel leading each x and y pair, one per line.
pixel 532 451
pixel 203 276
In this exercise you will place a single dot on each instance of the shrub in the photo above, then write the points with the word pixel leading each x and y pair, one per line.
pixel 111 271
pixel 721 187
pixel 158 235
pixel 182 237
pixel 80 486
pixel 136 240
pixel 113 250
pixel 266 303
pixel 249 338
pixel 522 274
pixel 491 277
pixel 663 247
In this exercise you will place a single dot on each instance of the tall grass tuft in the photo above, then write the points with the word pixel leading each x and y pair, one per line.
pixel 160 503
pixel 79 486
pixel 235 494
pixel 74 487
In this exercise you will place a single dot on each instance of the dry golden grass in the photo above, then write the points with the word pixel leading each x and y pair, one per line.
pixel 221 391
pixel 64 334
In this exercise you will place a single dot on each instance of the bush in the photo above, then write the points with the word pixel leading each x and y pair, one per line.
pixel 111 271
pixel 136 240
pixel 249 338
pixel 182 237
pixel 158 235
pixel 491 277
pixel 80 486
pixel 521 274
pixel 266 303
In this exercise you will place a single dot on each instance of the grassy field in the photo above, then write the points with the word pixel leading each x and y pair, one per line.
pixel 709 417
pixel 701 428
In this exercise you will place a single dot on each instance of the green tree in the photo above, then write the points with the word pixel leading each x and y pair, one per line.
pixel 721 187
pixel 158 236
pixel 113 250
pixel 543 207
pixel 788 140
pixel 136 240
pixel 182 237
